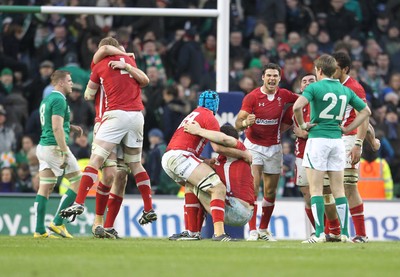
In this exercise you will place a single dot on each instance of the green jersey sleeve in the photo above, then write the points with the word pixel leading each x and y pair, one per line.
pixel 58 107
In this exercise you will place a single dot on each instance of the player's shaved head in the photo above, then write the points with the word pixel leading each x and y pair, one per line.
pixel 109 41
pixel 58 75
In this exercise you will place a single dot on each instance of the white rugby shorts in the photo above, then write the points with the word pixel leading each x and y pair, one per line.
pixel 270 157
pixel 122 126
pixel 179 164
pixel 50 157
pixel 348 145
pixel 324 154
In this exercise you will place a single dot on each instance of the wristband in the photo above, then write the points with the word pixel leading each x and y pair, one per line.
pixel 244 123
pixel 128 67
pixel 358 142
pixel 303 126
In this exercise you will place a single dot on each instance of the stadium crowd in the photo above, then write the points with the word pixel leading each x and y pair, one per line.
pixel 291 33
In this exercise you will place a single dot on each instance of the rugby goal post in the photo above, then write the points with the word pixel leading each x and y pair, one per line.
pixel 221 13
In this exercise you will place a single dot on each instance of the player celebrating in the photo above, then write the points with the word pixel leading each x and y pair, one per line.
pixel 260 117
pixel 182 162
pixel 122 122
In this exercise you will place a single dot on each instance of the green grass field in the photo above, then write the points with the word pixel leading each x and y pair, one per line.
pixel 24 256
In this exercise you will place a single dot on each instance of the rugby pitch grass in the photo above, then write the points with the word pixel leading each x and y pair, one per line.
pixel 25 256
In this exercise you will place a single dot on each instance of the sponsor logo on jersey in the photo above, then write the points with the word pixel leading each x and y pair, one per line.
pixel 260 121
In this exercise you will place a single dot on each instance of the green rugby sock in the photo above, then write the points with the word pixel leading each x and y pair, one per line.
pixel 342 207
pixel 67 199
pixel 40 212
pixel 318 210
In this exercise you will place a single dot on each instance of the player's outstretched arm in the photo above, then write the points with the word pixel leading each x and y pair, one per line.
pixel 214 136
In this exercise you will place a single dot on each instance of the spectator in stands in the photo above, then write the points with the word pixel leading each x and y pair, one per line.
pixel 324 42
pixel 82 110
pixel 160 181
pixel 24 179
pixel 294 42
pixel 380 28
pixel 312 53
pixel 81 148
pixel 7 139
pixel 33 127
pixel 391 43
pixel 71 64
pixel 209 49
pixel 383 67
pixel 247 84
pixel 373 79
pixel 7 180
pixel 236 48
pixel 152 58
pixel 340 22
pixel 34 89
pixel 279 32
pixel 298 16
pixel 56 49
pixel 21 157
pixel 311 33
pixel 190 58
pixel 270 11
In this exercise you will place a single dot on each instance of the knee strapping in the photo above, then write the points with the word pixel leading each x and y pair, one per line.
pixel 128 158
pixel 350 177
pixel 100 151
pixel 109 163
pixel 209 181
pixel 123 167
pixel 47 180
pixel 329 199
pixel 74 179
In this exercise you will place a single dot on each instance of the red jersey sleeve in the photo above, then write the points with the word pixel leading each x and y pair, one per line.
pixel 248 103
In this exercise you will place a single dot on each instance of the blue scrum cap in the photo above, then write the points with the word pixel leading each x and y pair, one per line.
pixel 210 100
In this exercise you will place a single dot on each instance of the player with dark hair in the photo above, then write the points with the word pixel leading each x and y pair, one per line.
pixel 183 164
pixel 234 173
pixel 260 117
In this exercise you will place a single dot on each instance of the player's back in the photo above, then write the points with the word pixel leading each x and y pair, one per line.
pixel 236 175
pixel 188 142
pixel 328 100
pixel 121 90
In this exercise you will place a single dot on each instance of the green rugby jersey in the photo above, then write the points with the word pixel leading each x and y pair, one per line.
pixel 328 100
pixel 54 104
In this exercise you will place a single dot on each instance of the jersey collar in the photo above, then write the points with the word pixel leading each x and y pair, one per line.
pixel 56 91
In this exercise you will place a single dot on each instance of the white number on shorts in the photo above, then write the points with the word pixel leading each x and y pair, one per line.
pixel 42 109
pixel 189 118
pixel 331 96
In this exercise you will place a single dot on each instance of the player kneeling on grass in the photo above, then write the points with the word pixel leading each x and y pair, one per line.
pixel 233 171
